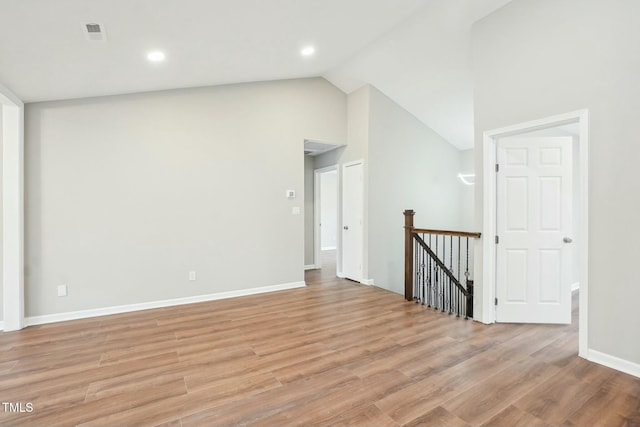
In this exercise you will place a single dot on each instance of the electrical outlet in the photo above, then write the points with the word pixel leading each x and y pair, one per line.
pixel 62 290
pixel 295 210
pixel 192 275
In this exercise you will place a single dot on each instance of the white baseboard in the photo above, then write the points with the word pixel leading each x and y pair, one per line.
pixel 575 286
pixel 328 248
pixel 340 274
pixel 105 311
pixel 2 325
pixel 613 362
pixel 311 267
pixel 368 282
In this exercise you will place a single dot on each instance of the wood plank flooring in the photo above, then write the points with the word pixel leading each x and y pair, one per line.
pixel 334 353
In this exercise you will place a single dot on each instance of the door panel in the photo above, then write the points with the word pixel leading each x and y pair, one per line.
pixel 516 265
pixel 518 203
pixel 550 204
pixel 534 193
pixel 550 276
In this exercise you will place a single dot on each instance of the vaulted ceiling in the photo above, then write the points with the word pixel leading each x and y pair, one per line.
pixel 415 51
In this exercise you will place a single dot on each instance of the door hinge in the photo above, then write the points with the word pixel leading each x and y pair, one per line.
pixel 497 167
pixel 496 301
pixel 497 240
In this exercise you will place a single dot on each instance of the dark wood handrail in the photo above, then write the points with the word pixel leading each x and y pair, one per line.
pixel 446 232
pixel 412 234
pixel 441 265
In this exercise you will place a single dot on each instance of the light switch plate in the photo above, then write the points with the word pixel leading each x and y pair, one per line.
pixel 62 290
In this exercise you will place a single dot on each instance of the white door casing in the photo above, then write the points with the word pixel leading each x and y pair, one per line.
pixel 534 227
pixel 352 215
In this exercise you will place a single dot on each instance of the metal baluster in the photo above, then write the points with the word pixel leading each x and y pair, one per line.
pixel 460 280
pixel 442 279
pixel 434 283
pixel 419 256
pixel 451 271
pixel 422 265
pixel 438 279
pixel 451 253
pixel 466 274
pixel 434 279
pixel 421 290
pixel 459 303
pixel 447 290
pixel 430 278
pixel 416 284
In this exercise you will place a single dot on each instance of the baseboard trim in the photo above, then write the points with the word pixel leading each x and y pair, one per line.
pixel 613 362
pixel 311 267
pixel 2 325
pixel 340 274
pixel 368 282
pixel 575 286
pixel 105 311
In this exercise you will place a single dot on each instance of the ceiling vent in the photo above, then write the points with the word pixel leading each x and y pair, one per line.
pixel 94 32
pixel 315 148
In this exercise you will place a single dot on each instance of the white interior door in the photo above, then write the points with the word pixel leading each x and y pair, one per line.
pixel 534 228
pixel 352 210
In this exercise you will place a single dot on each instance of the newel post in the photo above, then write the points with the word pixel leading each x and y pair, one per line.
pixel 408 254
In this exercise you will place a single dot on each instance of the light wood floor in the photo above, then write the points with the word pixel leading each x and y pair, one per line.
pixel 333 353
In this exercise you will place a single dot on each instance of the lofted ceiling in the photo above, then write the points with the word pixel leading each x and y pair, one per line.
pixel 415 51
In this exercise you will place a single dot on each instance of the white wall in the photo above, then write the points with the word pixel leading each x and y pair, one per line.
pixel 538 58
pixel 467 193
pixel 1 229
pixel 407 166
pixel 329 210
pixel 308 211
pixel 12 210
pixel 410 167
pixel 126 194
pixel 357 148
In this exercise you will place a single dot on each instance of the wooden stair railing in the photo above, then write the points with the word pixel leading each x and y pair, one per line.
pixel 427 277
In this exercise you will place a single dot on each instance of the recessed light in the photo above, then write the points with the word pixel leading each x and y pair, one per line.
pixel 308 51
pixel 156 56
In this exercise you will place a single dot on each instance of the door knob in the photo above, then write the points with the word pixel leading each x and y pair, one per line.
pixel 567 240
pixel 346 227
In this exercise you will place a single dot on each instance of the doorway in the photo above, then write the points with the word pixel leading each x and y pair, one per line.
pixel 548 127
pixel 326 234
